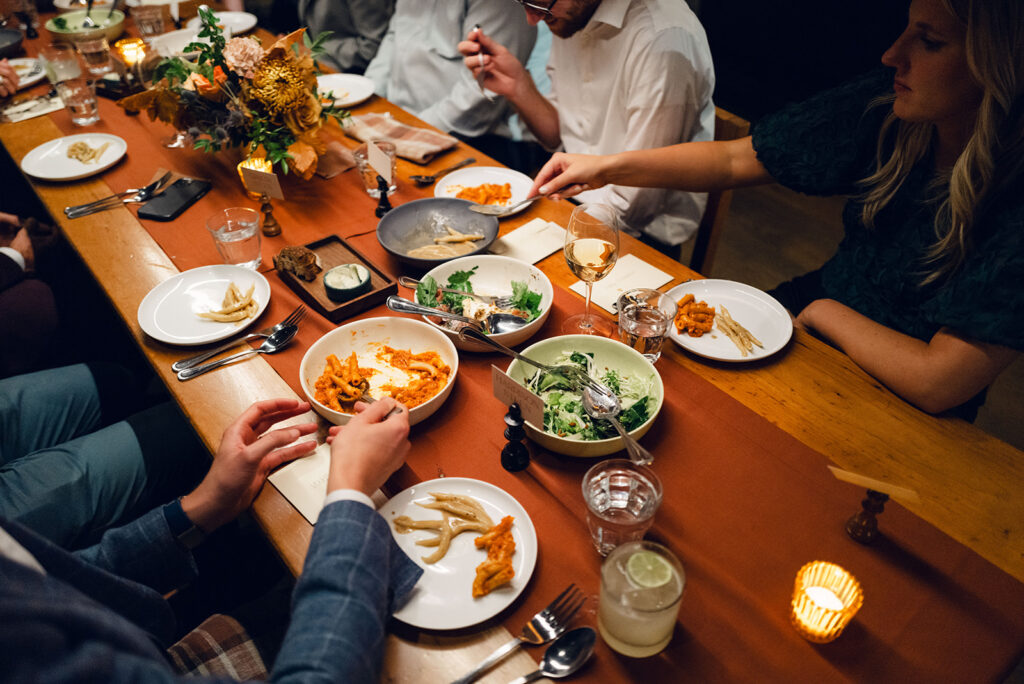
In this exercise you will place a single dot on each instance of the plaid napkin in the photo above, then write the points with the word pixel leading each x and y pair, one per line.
pixel 337 159
pixel 417 144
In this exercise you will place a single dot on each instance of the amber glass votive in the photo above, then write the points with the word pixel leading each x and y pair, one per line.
pixel 825 599
pixel 258 164
pixel 131 50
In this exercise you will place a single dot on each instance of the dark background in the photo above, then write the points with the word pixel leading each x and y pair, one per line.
pixel 769 53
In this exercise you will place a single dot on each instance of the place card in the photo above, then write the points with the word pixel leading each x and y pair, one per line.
pixel 628 273
pixel 261 182
pixel 895 492
pixel 531 241
pixel 509 392
pixel 379 160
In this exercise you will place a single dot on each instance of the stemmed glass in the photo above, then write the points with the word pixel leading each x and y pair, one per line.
pixel 591 249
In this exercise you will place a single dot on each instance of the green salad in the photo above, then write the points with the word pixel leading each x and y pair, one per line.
pixel 564 414
pixel 525 301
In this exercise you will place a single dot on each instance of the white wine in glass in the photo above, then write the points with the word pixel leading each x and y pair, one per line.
pixel 591 249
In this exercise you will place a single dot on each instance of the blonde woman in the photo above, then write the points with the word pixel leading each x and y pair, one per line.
pixel 926 291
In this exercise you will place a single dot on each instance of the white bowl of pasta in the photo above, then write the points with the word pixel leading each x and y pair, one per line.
pixel 488 275
pixel 388 356
pixel 567 429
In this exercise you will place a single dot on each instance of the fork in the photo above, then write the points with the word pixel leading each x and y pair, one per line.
pixel 502 302
pixel 545 626
pixel 294 318
pixel 141 195
pixel 482 74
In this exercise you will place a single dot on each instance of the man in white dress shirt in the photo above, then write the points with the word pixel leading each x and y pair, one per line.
pixel 625 75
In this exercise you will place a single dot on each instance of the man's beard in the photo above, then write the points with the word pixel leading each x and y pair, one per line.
pixel 579 13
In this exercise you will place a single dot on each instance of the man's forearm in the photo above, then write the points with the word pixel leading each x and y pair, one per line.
pixel 538 114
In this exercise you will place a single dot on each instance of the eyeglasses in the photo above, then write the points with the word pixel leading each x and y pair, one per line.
pixel 538 7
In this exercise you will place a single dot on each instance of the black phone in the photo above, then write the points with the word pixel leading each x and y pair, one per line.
pixel 181 195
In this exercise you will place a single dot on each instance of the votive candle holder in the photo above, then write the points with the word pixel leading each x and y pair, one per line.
pixel 825 599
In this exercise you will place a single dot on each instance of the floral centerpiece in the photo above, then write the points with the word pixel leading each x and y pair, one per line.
pixel 234 93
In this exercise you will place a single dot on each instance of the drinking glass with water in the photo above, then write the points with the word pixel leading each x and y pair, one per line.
pixel 79 97
pixel 644 319
pixel 621 499
pixel 236 232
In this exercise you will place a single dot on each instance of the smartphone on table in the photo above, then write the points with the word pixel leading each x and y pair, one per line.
pixel 181 195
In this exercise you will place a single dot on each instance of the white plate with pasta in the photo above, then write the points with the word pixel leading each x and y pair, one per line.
pixel 74 156
pixel 443 598
pixel 757 311
pixel 171 311
pixel 484 182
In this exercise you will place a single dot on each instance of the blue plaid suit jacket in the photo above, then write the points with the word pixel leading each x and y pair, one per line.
pixel 98 614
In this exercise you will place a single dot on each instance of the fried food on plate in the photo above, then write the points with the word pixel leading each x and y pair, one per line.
pixel 497 570
pixel 694 318
pixel 739 335
pixel 487 193
pixel 234 307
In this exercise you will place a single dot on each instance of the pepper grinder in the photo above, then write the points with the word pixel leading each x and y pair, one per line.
pixel 383 205
pixel 514 455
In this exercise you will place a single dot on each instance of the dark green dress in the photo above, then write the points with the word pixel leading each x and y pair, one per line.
pixel 827 144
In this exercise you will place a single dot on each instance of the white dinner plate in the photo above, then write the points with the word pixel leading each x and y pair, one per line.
pixel 443 598
pixel 235 22
pixel 169 312
pixel 30 71
pixel 348 89
pixel 66 5
pixel 50 161
pixel 173 43
pixel 519 183
pixel 760 313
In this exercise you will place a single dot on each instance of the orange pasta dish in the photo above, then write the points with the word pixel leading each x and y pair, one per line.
pixel 345 382
pixel 497 570
pixel 342 383
pixel 488 193
pixel 429 370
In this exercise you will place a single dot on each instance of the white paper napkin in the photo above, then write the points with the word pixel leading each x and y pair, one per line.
pixel 30 109
pixel 629 272
pixel 531 241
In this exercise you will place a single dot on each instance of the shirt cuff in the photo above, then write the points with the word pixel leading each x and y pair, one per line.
pixel 15 256
pixel 348 495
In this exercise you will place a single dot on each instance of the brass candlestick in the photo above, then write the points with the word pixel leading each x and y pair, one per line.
pixel 271 227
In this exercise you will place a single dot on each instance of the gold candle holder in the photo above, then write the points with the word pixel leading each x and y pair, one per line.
pixel 825 599
pixel 257 164
pixel 132 52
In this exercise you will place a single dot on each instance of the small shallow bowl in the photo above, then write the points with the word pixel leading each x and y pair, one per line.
pixel 416 224
pixel 608 354
pixel 112 27
pixel 10 42
pixel 494 276
pixel 365 335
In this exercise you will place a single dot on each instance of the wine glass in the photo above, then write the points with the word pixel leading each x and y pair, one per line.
pixel 591 248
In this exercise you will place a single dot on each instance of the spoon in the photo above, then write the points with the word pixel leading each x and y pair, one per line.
pixel 564 656
pixel 88 22
pixel 606 406
pixel 494 323
pixel 500 211
pixel 275 343
pixel 427 180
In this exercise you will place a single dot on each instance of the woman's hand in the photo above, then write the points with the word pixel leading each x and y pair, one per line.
pixel 369 448
pixel 567 175
pixel 246 456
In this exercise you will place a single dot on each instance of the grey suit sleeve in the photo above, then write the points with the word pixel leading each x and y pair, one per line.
pixel 354 577
pixel 143 551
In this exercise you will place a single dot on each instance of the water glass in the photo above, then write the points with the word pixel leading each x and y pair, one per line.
pixel 236 232
pixel 641 589
pixel 621 499
pixel 95 52
pixel 644 319
pixel 79 97
pixel 149 20
pixel 369 174
pixel 60 61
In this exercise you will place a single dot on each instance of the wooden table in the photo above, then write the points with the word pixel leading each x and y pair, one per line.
pixel 969 482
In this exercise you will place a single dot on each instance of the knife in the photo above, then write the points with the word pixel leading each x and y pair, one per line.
pixel 147 191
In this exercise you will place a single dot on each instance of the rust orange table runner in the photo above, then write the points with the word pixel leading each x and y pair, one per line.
pixel 745 504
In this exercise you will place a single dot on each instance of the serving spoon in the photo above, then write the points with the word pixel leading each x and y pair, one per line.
pixel 564 656
pixel 493 323
pixel 602 405
pixel 500 211
pixel 427 180
pixel 88 22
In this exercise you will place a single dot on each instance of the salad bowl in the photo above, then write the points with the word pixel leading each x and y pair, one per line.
pixel 636 378
pixel 494 275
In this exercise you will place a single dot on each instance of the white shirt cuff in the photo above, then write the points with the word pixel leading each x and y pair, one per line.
pixel 348 495
pixel 15 255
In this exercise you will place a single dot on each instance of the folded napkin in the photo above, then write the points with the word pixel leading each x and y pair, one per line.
pixel 531 241
pixel 337 159
pixel 30 108
pixel 416 144
pixel 629 272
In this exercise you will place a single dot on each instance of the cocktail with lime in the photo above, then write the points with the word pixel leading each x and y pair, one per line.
pixel 641 589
